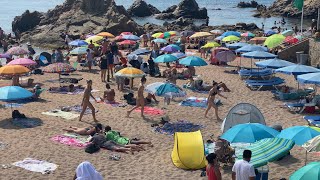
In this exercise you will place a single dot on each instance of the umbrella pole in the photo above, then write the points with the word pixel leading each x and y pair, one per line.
pixel 59 80
pixel 305 162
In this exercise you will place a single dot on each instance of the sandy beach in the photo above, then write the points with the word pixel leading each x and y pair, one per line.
pixel 154 163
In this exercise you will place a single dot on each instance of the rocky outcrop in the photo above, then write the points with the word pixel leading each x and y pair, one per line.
pixel 285 8
pixel 76 17
pixel 170 9
pixel 140 8
pixel 186 9
pixel 26 21
pixel 251 4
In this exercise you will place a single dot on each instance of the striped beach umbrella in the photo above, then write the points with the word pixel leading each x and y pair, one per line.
pixel 156 35
pixel 268 150
pixel 130 72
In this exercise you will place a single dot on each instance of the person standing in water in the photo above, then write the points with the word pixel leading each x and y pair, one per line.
pixel 140 98
pixel 212 96
pixel 86 101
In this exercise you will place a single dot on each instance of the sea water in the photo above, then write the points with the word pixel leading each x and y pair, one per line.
pixel 229 13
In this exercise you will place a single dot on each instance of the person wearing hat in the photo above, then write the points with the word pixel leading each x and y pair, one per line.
pixel 30 49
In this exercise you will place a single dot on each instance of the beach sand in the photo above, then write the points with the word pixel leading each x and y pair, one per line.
pixel 155 163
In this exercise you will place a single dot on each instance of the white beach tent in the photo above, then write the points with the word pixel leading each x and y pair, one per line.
pixel 242 113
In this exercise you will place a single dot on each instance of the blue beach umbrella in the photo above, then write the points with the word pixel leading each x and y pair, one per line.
pixel 310 78
pixel 230 33
pixel 78 42
pixel 158 40
pixel 299 134
pixel 269 32
pixel 249 133
pixel 250 48
pixel 309 172
pixel 79 50
pixel 11 93
pixel 131 37
pixel 193 61
pixel 258 55
pixel 179 55
pixel 170 90
pixel 274 63
pixel 297 69
pixel 141 52
pixel 165 58
pixel 236 45
pixel 171 48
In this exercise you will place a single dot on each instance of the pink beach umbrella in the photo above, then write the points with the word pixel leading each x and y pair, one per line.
pixel 226 56
pixel 5 56
pixel 22 62
pixel 17 51
pixel 126 33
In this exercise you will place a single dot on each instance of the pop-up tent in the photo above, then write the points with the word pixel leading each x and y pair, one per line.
pixel 242 113
pixel 188 150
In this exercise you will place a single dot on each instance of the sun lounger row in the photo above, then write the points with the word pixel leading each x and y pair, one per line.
pixel 291 95
pixel 268 84
pixel 255 73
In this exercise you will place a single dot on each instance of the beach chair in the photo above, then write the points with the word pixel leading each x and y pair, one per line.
pixel 299 107
pixel 255 73
pixel 292 95
pixel 313 120
pixel 259 84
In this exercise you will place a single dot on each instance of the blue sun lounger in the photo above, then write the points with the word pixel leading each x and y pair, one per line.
pixel 313 120
pixel 259 84
pixel 299 107
pixel 255 73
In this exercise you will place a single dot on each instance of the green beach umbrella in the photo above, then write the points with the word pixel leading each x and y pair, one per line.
pixel 231 38
pixel 308 172
pixel 274 40
pixel 268 150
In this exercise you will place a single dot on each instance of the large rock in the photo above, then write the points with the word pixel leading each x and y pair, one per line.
pixel 26 21
pixel 140 8
pixel 76 17
pixel 170 9
pixel 285 8
pixel 186 9
pixel 251 4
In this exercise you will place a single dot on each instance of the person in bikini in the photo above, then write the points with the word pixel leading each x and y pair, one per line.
pixel 85 131
pixel 140 98
pixel 108 95
pixel 86 101
pixel 211 98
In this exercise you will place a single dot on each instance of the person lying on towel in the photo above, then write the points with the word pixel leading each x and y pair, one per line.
pixel 199 85
pixel 85 131
pixel 115 136
pixel 100 140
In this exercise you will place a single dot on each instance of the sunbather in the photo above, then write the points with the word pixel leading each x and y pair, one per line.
pixel 211 100
pixel 108 95
pixel 101 141
pixel 85 131
pixel 205 87
pixel 86 101
pixel 116 137
pixel 149 98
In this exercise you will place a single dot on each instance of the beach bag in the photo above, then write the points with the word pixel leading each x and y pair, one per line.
pixel 37 71
pixel 17 114
pixel 91 148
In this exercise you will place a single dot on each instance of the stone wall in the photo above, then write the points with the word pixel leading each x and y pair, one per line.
pixel 289 53
pixel 314 52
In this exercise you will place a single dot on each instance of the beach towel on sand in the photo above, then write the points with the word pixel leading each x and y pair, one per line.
pixel 180 126
pixel 35 165
pixel 71 140
pixel 76 108
pixel 198 102
pixel 151 111
pixel 26 122
pixel 62 114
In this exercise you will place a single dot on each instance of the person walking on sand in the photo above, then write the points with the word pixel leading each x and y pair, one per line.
pixel 242 169
pixel 86 101
pixel 211 100
pixel 140 98
pixel 212 169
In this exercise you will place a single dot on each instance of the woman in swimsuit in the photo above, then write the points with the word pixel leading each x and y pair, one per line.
pixel 86 101
pixel 140 98
pixel 212 95
pixel 85 131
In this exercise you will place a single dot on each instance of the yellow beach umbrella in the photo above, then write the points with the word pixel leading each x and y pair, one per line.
pixel 13 70
pixel 200 34
pixel 130 72
pixel 211 45
pixel 173 33
pixel 156 35
pixel 106 34
pixel 274 40
pixel 94 39
pixel 231 38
